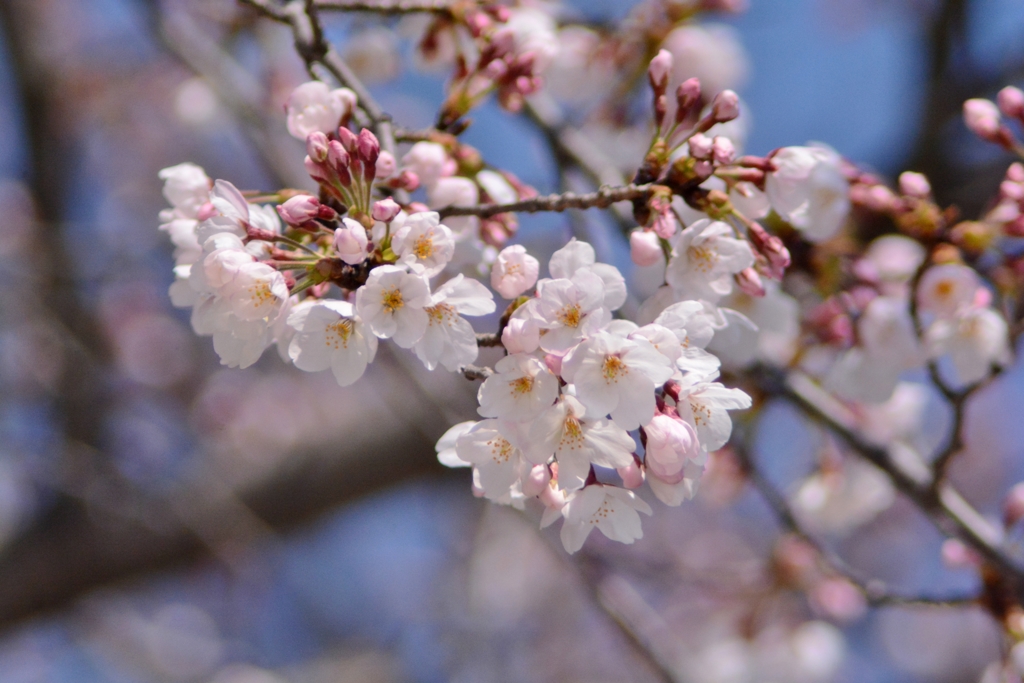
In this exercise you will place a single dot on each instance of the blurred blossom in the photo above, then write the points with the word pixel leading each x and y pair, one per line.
pixel 244 673
pixel 196 103
pixel 839 499
pixel 373 54
pixel 711 52
pixel 182 642
pixel 18 213
pixel 155 350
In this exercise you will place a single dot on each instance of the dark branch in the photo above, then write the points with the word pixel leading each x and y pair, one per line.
pixel 601 199
pixel 441 7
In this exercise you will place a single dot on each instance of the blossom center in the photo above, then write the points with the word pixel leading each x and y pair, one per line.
pixel 521 386
pixel 338 333
pixel 570 315
pixel 440 314
pixel 944 289
pixel 614 368
pixel 423 247
pixel 501 450
pixel 391 299
pixel 572 434
pixel 702 258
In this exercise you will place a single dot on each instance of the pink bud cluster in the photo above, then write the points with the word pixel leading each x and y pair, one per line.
pixel 984 118
pixel 345 166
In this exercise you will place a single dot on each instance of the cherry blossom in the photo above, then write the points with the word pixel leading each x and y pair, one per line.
pixel 617 376
pixel 808 189
pixel 422 242
pixel 975 340
pixel 521 388
pixel 611 509
pixel 391 303
pixel 493 448
pixel 704 259
pixel 313 107
pixel 514 271
pixel 350 242
pixel 449 338
pixel 705 404
pixel 330 335
pixel 945 290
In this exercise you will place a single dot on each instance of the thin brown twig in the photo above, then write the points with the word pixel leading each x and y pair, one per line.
pixel 474 372
pixel 602 199
pixel 441 7
pixel 941 503
pixel 876 592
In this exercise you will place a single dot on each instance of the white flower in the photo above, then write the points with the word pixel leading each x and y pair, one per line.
pixel 428 161
pixel 256 292
pixel 422 242
pixel 705 405
pixel 577 442
pixel 240 343
pixel 493 448
pixel 611 509
pixel 888 348
pixel 521 388
pixel 182 232
pixel 446 454
pixel 975 340
pixel 350 242
pixel 521 335
pixel 749 200
pixel 892 258
pixel 234 214
pixel 568 310
pixel 497 187
pixel 186 187
pixel 223 256
pixel 329 335
pixel 533 30
pixel 704 259
pixel 689 321
pixel 576 256
pixel 947 289
pixel 809 190
pixel 456 191
pixel 449 338
pixel 514 271
pixel 617 376
pixel 759 328
pixel 391 303
pixel 312 107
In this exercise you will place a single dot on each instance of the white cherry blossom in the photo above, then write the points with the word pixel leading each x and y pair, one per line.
pixel 350 242
pixel 256 292
pixel 947 289
pixel 428 160
pixel 611 509
pixel 330 335
pixel 493 447
pixel 391 303
pixel 705 404
pixel 313 107
pixel 704 259
pixel 577 442
pixel 240 343
pixel 578 256
pixel 617 376
pixel 568 310
pixel 187 188
pixel 449 338
pixel 675 491
pixel 514 271
pixel 975 340
pixel 234 214
pixel 521 388
pixel 422 242
pixel 808 189
pixel 445 447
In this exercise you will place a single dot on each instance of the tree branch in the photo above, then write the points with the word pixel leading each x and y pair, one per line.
pixel 441 7
pixel 601 199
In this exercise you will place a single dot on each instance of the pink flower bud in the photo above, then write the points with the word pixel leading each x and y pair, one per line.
pixel 982 118
pixel 337 155
pixel 700 146
pixel 350 242
pixel 956 555
pixel 750 282
pixel 386 165
pixel 207 210
pixel 772 248
pixel 316 147
pixel 659 70
pixel 536 481
pixel 514 271
pixel 632 475
pixel 1011 102
pixel 369 147
pixel 406 180
pixel 299 210
pixel 687 97
pixel 839 599
pixel 348 139
pixel 725 106
pixel 644 248
pixel 385 210
pixel 915 185
pixel 722 150
pixel 1015 172
pixel 521 336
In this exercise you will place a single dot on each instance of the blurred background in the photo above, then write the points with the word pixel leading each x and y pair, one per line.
pixel 165 519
